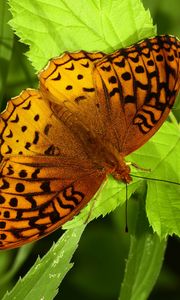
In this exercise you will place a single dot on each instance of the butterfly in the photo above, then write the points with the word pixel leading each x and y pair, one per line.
pixel 59 142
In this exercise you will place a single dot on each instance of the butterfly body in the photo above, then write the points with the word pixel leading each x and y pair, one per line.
pixel 59 143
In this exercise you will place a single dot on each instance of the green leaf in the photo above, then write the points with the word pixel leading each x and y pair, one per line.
pixel 20 258
pixel 42 281
pixel 163 205
pixel 144 260
pixel 162 155
pixel 51 28
pixel 176 108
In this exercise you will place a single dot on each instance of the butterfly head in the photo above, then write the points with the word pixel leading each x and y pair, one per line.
pixel 122 171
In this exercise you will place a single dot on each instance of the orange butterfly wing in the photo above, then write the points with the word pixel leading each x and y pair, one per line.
pixel 122 98
pixel 67 82
pixel 139 85
pixel 39 194
pixel 59 143
pixel 43 181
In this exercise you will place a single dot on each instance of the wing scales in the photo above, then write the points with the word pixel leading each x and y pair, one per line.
pixel 33 207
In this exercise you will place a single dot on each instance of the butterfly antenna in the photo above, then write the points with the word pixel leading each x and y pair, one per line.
pixel 155 179
pixel 126 209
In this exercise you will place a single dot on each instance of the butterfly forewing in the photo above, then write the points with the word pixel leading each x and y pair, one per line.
pixel 68 82
pixel 120 97
pixel 137 87
pixel 29 127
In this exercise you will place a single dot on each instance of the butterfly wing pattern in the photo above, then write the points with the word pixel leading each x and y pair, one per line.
pixel 140 84
pixel 59 143
pixel 39 186
pixel 132 90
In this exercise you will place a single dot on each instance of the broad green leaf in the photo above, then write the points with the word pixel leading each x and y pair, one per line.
pixel 162 155
pixel 42 281
pixel 163 205
pixel 176 108
pixel 50 28
pixel 144 260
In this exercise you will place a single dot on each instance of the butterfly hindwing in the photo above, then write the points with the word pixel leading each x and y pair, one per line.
pixel 39 194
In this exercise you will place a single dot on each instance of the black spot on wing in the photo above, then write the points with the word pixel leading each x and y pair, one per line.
pixel 28 145
pixel 45 186
pixel 46 129
pixel 88 89
pixel 35 173
pixel 9 150
pixel 58 77
pixel 16 120
pixel 79 98
pixel 70 68
pixel 36 137
pixel 10 135
pixel 86 65
pixel 28 106
pixel 5 184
